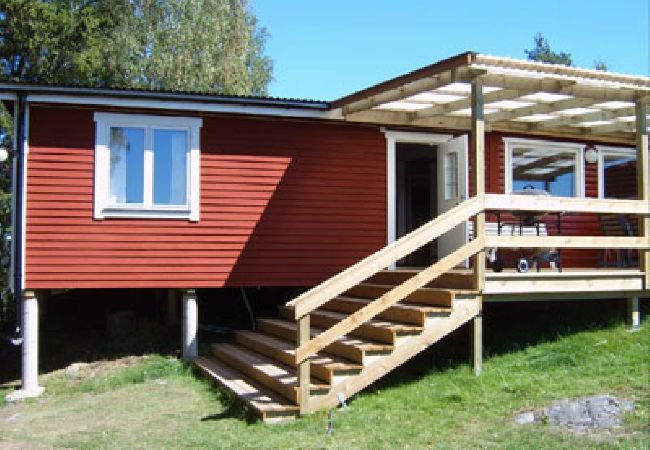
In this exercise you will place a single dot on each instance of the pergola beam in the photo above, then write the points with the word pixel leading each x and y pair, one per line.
pixel 564 120
pixel 502 94
pixel 541 108
pixel 407 90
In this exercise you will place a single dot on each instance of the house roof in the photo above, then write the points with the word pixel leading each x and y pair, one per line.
pixel 519 96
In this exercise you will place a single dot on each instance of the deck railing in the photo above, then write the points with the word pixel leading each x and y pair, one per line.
pixel 389 255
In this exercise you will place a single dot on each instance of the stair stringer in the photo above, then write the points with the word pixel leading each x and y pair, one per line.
pixel 464 309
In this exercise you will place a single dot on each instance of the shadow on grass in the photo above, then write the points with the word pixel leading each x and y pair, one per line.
pixel 510 327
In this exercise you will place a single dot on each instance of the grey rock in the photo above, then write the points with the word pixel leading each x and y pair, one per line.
pixel 583 414
pixel 525 418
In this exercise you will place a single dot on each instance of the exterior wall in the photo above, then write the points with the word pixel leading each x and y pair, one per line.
pixel 572 225
pixel 282 203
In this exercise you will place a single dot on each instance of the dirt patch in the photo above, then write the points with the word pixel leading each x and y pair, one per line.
pixel 84 371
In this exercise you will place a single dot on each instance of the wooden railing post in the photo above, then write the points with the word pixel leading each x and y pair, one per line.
pixel 304 377
pixel 643 183
pixel 478 174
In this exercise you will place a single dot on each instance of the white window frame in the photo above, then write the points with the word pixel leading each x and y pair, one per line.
pixel 576 149
pixel 103 208
pixel 609 150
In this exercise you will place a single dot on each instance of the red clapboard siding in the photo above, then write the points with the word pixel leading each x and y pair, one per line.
pixel 282 203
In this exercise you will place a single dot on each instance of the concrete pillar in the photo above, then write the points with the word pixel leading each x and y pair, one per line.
pixel 30 387
pixel 633 312
pixel 477 344
pixel 190 325
pixel 172 307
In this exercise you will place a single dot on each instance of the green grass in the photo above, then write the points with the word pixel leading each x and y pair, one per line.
pixel 158 403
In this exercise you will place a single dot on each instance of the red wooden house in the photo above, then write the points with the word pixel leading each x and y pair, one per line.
pixel 378 201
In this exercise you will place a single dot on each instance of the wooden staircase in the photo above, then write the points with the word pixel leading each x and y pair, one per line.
pixel 260 367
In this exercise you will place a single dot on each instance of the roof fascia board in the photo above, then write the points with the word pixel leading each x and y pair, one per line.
pixel 265 110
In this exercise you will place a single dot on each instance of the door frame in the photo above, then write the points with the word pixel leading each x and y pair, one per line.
pixel 392 139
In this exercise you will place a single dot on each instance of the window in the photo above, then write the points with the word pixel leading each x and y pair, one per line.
pixel 556 168
pixel 147 166
pixel 617 172
pixel 451 175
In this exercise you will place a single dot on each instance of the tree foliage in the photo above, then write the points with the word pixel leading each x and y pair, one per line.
pixel 542 53
pixel 212 46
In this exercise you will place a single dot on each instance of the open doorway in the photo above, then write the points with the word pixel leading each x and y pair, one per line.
pixel 427 176
pixel 416 172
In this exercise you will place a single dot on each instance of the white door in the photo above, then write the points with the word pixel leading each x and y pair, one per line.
pixel 452 189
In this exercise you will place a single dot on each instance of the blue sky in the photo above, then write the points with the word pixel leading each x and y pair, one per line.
pixel 326 49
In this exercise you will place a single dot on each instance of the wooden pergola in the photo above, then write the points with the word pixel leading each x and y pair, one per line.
pixel 479 93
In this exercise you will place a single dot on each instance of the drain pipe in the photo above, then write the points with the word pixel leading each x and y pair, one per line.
pixel 20 139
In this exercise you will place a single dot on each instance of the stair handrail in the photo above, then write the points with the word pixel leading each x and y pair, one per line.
pixel 387 256
pixel 390 254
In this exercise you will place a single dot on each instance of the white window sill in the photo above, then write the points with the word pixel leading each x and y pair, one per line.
pixel 181 213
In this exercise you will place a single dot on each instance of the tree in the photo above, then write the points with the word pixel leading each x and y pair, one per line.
pixel 191 45
pixel 543 53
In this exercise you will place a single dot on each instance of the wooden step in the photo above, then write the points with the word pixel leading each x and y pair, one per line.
pixel 355 349
pixel 450 280
pixel 266 371
pixel 323 366
pixel 425 296
pixel 382 331
pixel 412 314
pixel 269 406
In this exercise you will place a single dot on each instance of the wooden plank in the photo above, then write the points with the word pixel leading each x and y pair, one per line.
pixel 567 242
pixel 266 404
pixel 478 174
pixel 536 284
pixel 302 337
pixel 564 204
pixel 416 315
pixel 417 86
pixel 541 108
pixel 566 119
pixel 393 296
pixel 352 348
pixel 643 182
pixel 425 296
pixel 464 310
pixel 388 255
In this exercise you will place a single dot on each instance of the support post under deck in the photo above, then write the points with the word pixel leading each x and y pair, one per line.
pixel 633 312
pixel 29 378
pixel 477 343
pixel 190 325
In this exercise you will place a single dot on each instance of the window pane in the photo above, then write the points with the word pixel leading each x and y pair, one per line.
pixel 553 171
pixel 619 176
pixel 169 167
pixel 451 175
pixel 127 165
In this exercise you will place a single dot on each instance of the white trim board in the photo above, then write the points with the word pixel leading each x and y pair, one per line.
pixel 186 106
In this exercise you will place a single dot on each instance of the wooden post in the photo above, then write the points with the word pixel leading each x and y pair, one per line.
pixel 304 377
pixel 633 312
pixel 478 174
pixel 643 183
pixel 477 343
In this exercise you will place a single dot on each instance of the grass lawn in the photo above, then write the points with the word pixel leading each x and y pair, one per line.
pixel 156 402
